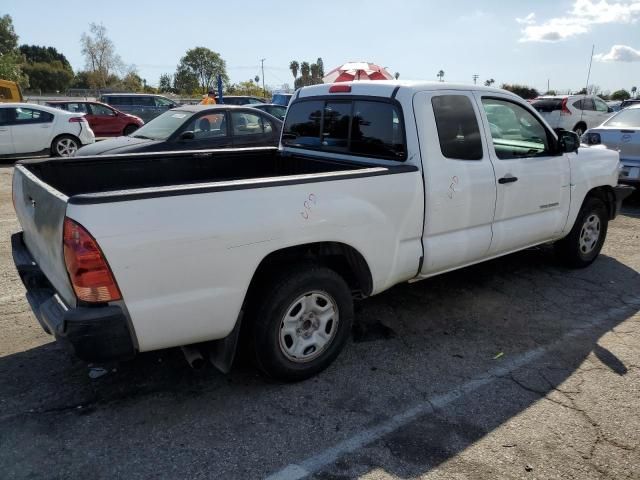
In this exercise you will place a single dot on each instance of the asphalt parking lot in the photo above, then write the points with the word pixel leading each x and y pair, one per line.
pixel 515 368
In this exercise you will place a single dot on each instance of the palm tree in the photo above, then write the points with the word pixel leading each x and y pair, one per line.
pixel 396 75
pixel 294 67
pixel 441 75
pixel 489 82
pixel 304 71
pixel 315 70
pixel 633 91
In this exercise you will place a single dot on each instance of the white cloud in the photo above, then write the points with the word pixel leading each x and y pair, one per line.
pixel 528 20
pixel 619 53
pixel 579 20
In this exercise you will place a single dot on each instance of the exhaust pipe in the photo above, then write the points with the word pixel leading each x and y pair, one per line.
pixel 193 357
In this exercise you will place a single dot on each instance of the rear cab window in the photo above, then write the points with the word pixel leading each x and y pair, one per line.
pixel 364 127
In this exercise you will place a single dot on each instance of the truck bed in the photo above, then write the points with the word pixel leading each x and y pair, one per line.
pixel 84 176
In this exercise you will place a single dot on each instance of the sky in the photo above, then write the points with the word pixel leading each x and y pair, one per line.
pixel 526 42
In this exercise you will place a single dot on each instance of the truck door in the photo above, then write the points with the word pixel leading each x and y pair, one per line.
pixel 460 186
pixel 533 182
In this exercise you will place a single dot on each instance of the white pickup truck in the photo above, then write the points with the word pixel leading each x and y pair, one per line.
pixel 374 183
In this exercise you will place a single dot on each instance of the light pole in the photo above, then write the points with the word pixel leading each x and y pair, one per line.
pixel 264 92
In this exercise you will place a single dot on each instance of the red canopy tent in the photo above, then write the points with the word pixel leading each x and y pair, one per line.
pixel 357 71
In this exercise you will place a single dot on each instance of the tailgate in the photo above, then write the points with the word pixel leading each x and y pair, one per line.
pixel 41 210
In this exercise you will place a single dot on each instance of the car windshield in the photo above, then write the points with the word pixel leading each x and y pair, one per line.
pixel 163 126
pixel 629 118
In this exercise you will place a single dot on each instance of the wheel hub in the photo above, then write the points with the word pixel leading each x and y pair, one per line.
pixel 308 327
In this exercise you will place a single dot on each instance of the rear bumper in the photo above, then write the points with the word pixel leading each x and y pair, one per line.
pixel 96 333
pixel 621 192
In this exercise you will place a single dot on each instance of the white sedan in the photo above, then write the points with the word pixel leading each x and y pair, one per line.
pixel 28 129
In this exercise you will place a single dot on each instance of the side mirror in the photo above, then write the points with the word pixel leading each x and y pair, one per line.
pixel 567 141
pixel 188 135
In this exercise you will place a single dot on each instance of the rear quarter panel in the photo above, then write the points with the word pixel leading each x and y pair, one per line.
pixel 184 263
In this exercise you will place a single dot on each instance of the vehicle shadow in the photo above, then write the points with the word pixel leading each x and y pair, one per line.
pixel 411 344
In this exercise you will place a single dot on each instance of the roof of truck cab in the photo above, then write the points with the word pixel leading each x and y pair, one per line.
pixel 387 87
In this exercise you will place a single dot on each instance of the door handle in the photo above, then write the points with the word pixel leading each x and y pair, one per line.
pixel 508 179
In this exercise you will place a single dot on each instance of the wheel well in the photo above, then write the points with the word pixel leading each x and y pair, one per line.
pixel 580 123
pixel 53 142
pixel 130 125
pixel 605 193
pixel 343 259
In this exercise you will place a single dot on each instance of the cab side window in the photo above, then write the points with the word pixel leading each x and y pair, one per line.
pixel 457 126
pixel 516 133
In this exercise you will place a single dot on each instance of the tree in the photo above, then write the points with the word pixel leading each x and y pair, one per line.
pixel 10 69
pixel 249 88
pixel 620 95
pixel 320 65
pixel 440 75
pixel 489 82
pixel 100 55
pixel 185 82
pixel 396 75
pixel 48 77
pixel 37 54
pixel 204 65
pixel 164 85
pixel 522 90
pixel 314 69
pixel 633 91
pixel 305 70
pixel 133 82
pixel 294 67
pixel 8 36
pixel 550 92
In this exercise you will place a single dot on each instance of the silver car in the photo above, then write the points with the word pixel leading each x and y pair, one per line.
pixel 621 132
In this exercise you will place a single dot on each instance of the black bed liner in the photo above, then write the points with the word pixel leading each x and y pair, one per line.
pixel 126 177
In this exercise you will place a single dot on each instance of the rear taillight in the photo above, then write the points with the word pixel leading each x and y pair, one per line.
pixel 89 272
pixel 591 138
pixel 340 89
pixel 77 120
pixel 564 110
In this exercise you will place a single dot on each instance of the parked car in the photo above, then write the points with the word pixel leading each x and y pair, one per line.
pixel 10 92
pixel 142 105
pixel 614 105
pixel 239 100
pixel 572 112
pixel 277 111
pixel 377 183
pixel 281 98
pixel 196 127
pixel 27 129
pixel 105 121
pixel 629 102
pixel 621 133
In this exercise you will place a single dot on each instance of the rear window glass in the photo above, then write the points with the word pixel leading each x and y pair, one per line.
pixel 547 104
pixel 361 127
pixel 625 119
pixel 457 126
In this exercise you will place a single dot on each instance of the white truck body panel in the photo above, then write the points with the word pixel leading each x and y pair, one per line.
pixel 184 262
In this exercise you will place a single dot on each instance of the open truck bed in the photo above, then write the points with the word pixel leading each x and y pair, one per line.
pixel 103 179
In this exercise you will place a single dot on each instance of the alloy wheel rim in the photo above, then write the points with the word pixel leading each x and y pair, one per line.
pixel 589 234
pixel 308 326
pixel 66 147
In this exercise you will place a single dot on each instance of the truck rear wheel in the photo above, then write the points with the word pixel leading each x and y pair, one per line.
pixel 583 244
pixel 301 323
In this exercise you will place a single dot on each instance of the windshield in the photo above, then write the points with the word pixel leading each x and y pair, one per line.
pixel 625 119
pixel 163 126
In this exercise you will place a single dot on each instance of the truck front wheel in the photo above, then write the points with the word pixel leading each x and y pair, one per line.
pixel 583 244
pixel 301 323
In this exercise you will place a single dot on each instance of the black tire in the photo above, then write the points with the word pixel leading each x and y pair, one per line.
pixel 580 128
pixel 573 250
pixel 277 300
pixel 129 129
pixel 65 146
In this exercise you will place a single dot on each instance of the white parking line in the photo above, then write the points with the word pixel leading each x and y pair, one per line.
pixel 317 462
